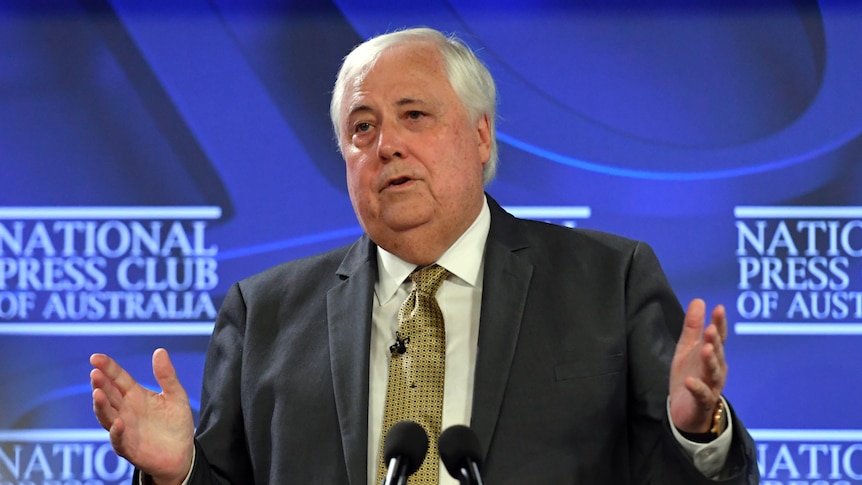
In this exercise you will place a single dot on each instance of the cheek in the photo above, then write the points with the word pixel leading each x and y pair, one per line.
pixel 353 167
pixel 359 184
pixel 354 188
pixel 465 166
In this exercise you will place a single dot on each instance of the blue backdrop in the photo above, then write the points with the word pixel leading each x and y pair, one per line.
pixel 153 153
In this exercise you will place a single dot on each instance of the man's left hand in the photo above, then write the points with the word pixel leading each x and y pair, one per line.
pixel 699 371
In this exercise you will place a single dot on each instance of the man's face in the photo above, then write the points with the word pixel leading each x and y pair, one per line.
pixel 414 158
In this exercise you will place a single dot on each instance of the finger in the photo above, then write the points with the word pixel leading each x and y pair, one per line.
pixel 719 319
pixel 116 431
pixel 118 376
pixel 166 374
pixel 702 393
pixel 692 330
pixel 712 337
pixel 105 413
pixel 711 366
pixel 98 380
pixel 714 369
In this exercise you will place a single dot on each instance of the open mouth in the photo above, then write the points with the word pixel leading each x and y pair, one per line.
pixel 399 181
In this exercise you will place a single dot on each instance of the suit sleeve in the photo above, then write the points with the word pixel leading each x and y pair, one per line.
pixel 654 323
pixel 221 450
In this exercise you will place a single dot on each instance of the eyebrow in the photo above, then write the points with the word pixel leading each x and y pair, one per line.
pixel 359 109
pixel 401 102
pixel 406 101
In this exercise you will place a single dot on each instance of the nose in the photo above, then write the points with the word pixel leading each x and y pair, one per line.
pixel 390 142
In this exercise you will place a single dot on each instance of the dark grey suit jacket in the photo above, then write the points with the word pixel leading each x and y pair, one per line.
pixel 576 336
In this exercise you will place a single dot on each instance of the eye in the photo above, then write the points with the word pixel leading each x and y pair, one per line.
pixel 415 115
pixel 361 127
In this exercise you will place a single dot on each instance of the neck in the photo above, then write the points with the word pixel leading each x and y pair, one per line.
pixel 425 244
pixel 419 250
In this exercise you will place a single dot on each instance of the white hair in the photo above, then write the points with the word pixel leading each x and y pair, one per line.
pixel 469 78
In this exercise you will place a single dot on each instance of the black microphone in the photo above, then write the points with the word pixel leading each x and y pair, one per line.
pixel 403 451
pixel 461 453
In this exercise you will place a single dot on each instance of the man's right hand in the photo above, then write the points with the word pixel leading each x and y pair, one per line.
pixel 154 431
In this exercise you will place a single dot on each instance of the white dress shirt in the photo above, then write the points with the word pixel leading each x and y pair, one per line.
pixel 460 300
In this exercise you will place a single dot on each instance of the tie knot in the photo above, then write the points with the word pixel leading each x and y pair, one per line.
pixel 428 279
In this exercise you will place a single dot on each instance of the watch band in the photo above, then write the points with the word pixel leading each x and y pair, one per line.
pixel 719 419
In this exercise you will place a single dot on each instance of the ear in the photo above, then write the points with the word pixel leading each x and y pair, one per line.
pixel 483 136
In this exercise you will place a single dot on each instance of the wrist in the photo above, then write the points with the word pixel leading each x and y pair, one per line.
pixel 717 426
pixel 173 479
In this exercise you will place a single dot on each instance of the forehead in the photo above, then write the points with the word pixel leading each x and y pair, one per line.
pixel 407 70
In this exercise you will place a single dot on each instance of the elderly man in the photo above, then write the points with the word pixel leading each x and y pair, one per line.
pixel 565 350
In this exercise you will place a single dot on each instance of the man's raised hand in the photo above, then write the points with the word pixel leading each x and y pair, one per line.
pixel 154 431
pixel 699 370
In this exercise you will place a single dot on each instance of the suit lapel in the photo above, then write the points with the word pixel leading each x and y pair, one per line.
pixel 348 307
pixel 504 294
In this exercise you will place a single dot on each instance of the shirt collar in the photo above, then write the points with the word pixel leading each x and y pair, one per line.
pixel 463 259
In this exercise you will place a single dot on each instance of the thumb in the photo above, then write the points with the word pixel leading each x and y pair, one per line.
pixel 165 374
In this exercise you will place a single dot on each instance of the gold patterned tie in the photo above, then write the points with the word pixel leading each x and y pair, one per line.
pixel 416 370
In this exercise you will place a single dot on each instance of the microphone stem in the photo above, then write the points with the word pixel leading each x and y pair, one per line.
pixel 391 472
pixel 477 477
pixel 402 479
pixel 470 475
pixel 402 472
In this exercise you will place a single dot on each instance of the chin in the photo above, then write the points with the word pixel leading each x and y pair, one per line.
pixel 400 219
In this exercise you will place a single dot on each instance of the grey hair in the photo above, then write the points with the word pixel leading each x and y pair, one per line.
pixel 470 79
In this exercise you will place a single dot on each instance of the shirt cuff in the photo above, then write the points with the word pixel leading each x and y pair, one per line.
pixel 708 458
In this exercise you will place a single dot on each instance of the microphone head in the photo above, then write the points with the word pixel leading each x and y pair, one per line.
pixel 408 440
pixel 458 445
